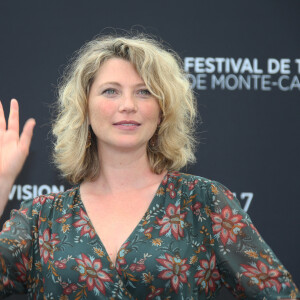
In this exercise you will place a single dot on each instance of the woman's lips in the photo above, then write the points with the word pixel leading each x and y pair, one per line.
pixel 127 125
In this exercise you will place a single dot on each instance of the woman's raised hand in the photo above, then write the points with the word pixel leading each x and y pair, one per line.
pixel 13 147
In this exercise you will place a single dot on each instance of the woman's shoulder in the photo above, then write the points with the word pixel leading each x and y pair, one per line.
pixel 48 202
pixel 187 177
pixel 207 189
pixel 194 181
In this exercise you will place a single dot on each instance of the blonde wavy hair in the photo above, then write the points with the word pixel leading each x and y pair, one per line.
pixel 163 74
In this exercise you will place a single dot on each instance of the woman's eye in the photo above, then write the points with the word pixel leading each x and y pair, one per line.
pixel 144 92
pixel 109 92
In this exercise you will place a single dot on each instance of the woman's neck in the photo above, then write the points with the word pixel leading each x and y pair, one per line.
pixel 123 171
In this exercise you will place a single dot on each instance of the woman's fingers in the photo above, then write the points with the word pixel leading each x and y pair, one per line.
pixel 24 140
pixel 13 119
pixel 13 148
pixel 26 136
pixel 2 118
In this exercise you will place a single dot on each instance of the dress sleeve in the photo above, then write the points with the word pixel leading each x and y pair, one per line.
pixel 247 265
pixel 15 244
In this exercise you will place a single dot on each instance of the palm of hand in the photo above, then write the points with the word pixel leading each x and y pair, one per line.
pixel 13 148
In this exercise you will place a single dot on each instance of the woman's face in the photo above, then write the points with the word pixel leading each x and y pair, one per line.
pixel 122 112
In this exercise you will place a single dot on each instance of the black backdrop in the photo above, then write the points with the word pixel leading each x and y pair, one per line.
pixel 244 62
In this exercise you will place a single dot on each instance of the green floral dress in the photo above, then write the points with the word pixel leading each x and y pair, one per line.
pixel 193 239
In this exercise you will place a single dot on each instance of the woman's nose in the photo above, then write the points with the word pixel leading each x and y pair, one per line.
pixel 128 103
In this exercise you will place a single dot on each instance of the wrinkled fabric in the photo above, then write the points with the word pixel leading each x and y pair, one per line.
pixel 193 239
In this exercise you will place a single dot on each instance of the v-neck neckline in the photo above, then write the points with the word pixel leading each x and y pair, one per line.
pixel 152 202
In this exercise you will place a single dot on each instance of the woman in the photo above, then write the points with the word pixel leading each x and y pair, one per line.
pixel 132 227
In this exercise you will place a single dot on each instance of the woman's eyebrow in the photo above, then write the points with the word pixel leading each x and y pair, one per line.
pixel 141 84
pixel 109 83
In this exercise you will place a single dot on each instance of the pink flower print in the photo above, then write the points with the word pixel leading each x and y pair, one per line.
pixel 208 274
pixel 64 218
pixel 262 276
pixel 175 270
pixel 69 289
pixel 61 264
pixel 192 184
pixel 171 190
pixel 137 267
pixel 173 220
pixel 227 224
pixel 47 243
pixel 170 175
pixel 120 260
pixel 85 224
pixel 196 208
pixel 23 267
pixel 91 272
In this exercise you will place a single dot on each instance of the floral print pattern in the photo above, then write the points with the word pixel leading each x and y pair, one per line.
pixel 208 274
pixel 22 267
pixel 262 276
pixel 85 224
pixel 47 242
pixel 227 225
pixel 174 269
pixel 193 239
pixel 91 272
pixel 172 221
